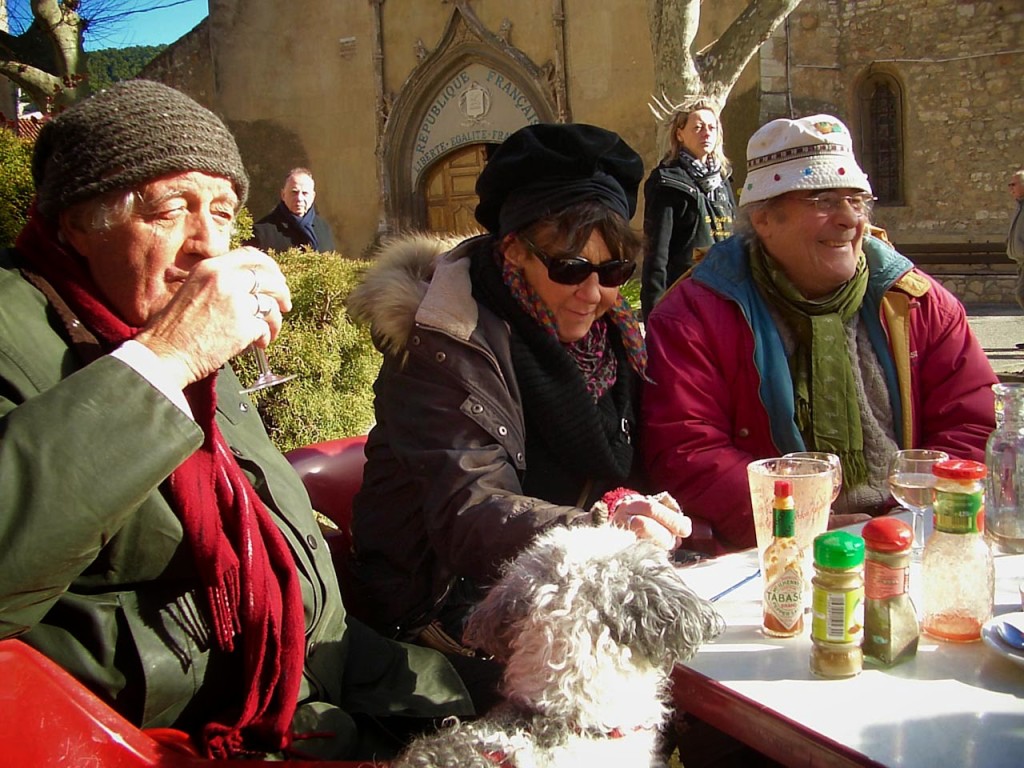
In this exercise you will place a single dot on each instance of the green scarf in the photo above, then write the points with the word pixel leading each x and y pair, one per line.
pixel 827 408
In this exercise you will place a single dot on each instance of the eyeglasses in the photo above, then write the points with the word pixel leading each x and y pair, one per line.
pixel 573 270
pixel 829 204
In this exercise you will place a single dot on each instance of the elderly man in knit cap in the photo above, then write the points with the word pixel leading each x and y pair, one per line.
pixel 156 544
pixel 509 393
pixel 804 332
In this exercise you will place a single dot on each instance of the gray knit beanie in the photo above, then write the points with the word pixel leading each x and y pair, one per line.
pixel 126 135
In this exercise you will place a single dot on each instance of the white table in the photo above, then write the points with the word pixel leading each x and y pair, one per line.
pixel 951 705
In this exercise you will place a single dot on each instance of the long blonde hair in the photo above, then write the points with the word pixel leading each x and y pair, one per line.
pixel 679 119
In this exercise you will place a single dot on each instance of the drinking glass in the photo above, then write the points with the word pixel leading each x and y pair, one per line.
pixel 812 481
pixel 267 377
pixel 832 460
pixel 912 484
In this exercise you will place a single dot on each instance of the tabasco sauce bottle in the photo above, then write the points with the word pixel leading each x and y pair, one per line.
pixel 783 570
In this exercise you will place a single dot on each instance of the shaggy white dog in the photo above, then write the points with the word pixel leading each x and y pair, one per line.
pixel 589 623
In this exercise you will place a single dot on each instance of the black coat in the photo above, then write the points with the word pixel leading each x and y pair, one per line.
pixel 463 470
pixel 278 231
pixel 678 217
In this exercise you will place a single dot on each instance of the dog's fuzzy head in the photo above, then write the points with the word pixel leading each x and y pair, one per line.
pixel 584 613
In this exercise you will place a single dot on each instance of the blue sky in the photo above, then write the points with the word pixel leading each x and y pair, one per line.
pixel 151 27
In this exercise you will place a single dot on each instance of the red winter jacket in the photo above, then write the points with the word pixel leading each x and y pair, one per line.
pixel 705 416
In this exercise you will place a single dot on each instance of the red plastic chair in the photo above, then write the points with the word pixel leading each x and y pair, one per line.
pixel 48 718
pixel 332 472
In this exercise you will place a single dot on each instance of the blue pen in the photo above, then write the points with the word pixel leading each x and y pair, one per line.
pixel 737 585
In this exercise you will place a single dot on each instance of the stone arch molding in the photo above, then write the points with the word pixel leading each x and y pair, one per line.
pixel 474 87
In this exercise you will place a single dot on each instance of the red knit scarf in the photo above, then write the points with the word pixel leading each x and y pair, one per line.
pixel 247 572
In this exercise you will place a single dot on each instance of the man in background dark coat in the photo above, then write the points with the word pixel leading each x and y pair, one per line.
pixel 294 221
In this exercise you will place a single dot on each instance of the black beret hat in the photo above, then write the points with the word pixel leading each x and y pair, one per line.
pixel 126 135
pixel 542 169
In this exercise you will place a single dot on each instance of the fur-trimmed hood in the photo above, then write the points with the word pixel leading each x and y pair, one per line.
pixel 417 280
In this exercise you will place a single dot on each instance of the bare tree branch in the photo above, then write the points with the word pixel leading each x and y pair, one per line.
pixel 723 61
pixel 36 82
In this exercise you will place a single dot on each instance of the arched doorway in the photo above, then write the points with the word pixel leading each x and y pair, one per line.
pixel 471 92
pixel 449 191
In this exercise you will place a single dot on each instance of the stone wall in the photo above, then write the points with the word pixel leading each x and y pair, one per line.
pixel 187 65
pixel 981 288
pixel 959 65
pixel 306 92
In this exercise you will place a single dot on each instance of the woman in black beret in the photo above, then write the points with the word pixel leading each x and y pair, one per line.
pixel 508 398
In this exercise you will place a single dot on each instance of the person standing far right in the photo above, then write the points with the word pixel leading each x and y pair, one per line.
pixel 1015 240
pixel 688 203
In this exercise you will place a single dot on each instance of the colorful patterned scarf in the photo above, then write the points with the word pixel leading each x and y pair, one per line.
pixel 592 355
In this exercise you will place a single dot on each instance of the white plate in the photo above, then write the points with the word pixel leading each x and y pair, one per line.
pixel 990 635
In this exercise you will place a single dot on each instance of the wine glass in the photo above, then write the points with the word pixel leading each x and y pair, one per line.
pixel 829 458
pixel 267 377
pixel 913 485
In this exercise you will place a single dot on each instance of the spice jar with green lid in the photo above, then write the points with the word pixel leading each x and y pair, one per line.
pixel 837 620
pixel 891 630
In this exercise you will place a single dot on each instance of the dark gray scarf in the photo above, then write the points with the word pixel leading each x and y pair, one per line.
pixel 708 175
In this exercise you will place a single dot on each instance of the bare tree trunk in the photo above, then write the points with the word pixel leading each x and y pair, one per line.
pixel 63 28
pixel 674 26
pixel 54 79
pixel 681 73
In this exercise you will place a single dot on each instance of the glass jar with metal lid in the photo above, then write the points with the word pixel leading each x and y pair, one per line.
pixel 956 569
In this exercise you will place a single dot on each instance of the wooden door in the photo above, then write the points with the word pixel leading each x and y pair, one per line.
pixel 450 193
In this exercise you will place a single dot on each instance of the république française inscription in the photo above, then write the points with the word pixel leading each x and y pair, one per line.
pixel 477 104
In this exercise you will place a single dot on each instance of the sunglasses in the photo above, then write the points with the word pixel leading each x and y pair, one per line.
pixel 573 270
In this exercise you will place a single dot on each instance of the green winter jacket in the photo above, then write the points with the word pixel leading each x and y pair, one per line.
pixel 93 568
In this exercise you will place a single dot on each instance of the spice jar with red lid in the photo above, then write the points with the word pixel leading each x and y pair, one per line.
pixel 891 630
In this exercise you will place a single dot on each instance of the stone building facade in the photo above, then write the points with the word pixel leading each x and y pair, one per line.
pixel 394 103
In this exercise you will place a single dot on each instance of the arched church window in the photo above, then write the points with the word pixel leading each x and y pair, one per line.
pixel 881 135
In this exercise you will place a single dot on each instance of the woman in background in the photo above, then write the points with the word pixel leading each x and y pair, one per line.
pixel 688 203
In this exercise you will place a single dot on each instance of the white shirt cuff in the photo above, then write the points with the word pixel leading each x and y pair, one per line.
pixel 144 362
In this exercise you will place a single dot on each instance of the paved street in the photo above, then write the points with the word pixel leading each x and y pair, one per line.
pixel 1000 328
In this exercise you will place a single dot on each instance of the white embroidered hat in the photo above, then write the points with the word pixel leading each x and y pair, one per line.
pixel 813 152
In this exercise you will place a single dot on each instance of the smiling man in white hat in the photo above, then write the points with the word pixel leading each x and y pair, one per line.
pixel 804 332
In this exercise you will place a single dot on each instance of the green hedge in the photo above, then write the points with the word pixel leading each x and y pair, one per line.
pixel 631 292
pixel 16 188
pixel 335 360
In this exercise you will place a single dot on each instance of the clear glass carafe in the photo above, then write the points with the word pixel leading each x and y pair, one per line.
pixel 1004 455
